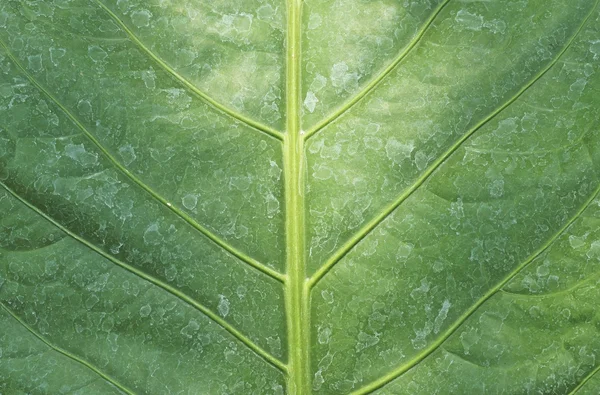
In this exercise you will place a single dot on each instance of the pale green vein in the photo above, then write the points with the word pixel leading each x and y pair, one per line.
pixel 255 125
pixel 560 293
pixel 579 140
pixel 296 290
pixel 82 386
pixel 585 380
pixel 172 290
pixel 67 353
pixel 441 339
pixel 371 225
pixel 374 82
pixel 180 213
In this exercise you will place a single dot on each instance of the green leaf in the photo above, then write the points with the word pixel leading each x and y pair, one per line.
pixel 301 197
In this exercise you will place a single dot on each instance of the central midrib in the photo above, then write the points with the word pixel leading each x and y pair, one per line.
pixel 296 286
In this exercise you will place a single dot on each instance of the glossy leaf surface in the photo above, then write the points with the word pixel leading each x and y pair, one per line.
pixel 301 197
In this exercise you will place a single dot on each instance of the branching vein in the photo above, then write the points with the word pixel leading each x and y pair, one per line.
pixel 180 213
pixel 67 353
pixel 441 339
pixel 254 124
pixel 172 290
pixel 371 225
pixel 371 85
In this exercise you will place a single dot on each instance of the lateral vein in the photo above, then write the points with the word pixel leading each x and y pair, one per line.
pixel 66 353
pixel 585 380
pixel 374 82
pixel 371 225
pixel 166 287
pixel 440 340
pixel 195 90
pixel 181 214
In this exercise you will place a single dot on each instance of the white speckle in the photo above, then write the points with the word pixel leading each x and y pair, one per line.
pixel 96 53
pixel 272 205
pixel 189 201
pixel 314 21
pixel 457 209
pixel 326 361
pixel 223 306
pixel 327 296
pixel 318 381
pixel 141 18
pixel 149 78
pixel 322 173
pixel 577 241
pixel 423 289
pixel 543 270
pixel 469 21
pixel 240 183
pixel 594 251
pixel 310 102
pixel 496 188
pixel 50 269
pixel 595 49
pixel 421 160
pixel 79 154
pixel 535 311
pixel 240 231
pixel 113 341
pixel 342 79
pixel 403 251
pixel 171 273
pixel 469 339
pixel 439 320
pixel 152 235
pixel 265 12
pixel 496 26
pixel 398 151
pixel 145 310
pixel 319 82
pixel 127 154
pixel 35 62
pixel 85 107
pixel 274 344
pixel 365 341
pixel 241 291
pixel 56 54
pixel 91 301
pixel 191 328
pixel 373 143
pixel 324 335
pixel 577 88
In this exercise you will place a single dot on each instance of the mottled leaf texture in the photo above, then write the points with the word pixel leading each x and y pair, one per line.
pixel 299 197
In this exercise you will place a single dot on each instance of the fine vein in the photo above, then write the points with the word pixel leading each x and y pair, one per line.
pixel 172 290
pixel 296 290
pixel 585 380
pixel 441 339
pixel 255 125
pixel 66 353
pixel 210 235
pixel 371 225
pixel 555 294
pixel 371 85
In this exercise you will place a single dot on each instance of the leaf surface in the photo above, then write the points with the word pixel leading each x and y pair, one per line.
pixel 301 197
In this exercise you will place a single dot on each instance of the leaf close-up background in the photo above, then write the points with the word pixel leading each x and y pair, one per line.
pixel 301 197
